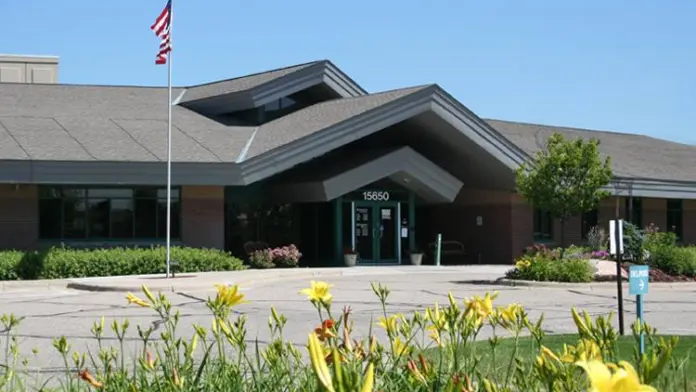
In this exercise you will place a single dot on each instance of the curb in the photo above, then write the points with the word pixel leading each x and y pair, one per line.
pixel 560 285
pixel 182 286
pixel 18 285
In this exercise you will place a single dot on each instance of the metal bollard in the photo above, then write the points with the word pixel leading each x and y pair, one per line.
pixel 438 249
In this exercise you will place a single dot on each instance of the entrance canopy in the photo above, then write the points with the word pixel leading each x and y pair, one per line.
pixel 402 165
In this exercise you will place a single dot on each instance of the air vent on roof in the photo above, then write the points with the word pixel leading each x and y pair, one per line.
pixel 28 69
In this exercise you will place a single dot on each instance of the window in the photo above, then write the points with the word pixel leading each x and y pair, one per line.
pixel 543 225
pixel 106 213
pixel 634 210
pixel 675 216
pixel 590 219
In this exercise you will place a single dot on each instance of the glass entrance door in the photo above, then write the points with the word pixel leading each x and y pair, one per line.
pixel 376 232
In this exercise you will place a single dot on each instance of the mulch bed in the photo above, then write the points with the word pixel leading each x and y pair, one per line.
pixel 659 276
pixel 656 275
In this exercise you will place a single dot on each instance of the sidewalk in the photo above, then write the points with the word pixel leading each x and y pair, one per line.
pixel 207 280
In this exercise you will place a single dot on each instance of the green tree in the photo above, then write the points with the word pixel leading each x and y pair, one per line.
pixel 566 178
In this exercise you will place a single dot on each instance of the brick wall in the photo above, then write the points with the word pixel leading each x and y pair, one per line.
pixel 19 211
pixel 487 243
pixel 655 211
pixel 203 216
pixel 521 225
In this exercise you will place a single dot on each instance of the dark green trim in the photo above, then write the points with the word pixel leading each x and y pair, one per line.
pixel 411 221
pixel 338 228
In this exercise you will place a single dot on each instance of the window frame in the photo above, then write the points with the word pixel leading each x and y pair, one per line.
pixel 635 212
pixel 156 193
pixel 671 210
pixel 538 232
pixel 584 226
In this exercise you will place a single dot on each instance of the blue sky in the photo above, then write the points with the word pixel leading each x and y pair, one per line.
pixel 601 64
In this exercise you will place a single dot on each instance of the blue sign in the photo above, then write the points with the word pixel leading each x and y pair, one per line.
pixel 638 277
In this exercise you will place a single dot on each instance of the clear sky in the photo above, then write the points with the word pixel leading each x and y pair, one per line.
pixel 601 64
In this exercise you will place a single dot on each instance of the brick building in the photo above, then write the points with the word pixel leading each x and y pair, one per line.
pixel 299 155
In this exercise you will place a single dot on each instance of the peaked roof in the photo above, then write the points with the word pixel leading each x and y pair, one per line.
pixel 241 83
pixel 83 123
pixel 316 118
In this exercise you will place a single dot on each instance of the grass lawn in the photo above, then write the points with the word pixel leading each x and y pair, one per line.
pixel 685 351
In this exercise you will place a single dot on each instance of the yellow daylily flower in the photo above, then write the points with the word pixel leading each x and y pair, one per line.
pixel 229 295
pixel 623 379
pixel 483 307
pixel 401 348
pixel 390 324
pixel 523 264
pixel 435 335
pixel 133 299
pixel 318 292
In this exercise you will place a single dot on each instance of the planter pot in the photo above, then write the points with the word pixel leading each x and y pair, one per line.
pixel 416 258
pixel 350 260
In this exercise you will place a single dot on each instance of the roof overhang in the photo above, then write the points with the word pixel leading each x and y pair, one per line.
pixel 323 72
pixel 432 99
pixel 117 173
pixel 650 188
pixel 404 166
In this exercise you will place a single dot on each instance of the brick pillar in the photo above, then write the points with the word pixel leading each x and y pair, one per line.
pixel 19 217
pixel 655 212
pixel 522 225
pixel 203 216
pixel 689 222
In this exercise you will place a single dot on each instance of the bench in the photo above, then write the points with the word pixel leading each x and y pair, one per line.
pixel 448 249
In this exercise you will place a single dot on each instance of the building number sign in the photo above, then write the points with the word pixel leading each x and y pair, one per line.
pixel 375 195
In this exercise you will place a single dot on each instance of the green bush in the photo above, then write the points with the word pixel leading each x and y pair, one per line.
pixel 674 260
pixel 62 262
pixel 542 268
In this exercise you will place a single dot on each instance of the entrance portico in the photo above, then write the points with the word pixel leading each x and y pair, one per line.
pixel 374 196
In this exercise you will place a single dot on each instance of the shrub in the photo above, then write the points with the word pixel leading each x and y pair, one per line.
pixel 675 260
pixel 543 267
pixel 63 262
pixel 261 259
pixel 634 242
pixel 286 256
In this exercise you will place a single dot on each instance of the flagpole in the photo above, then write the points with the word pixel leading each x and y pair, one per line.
pixel 169 142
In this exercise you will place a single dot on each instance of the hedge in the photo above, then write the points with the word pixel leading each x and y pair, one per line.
pixel 62 262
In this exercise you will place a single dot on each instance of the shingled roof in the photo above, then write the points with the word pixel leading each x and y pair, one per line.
pixel 102 123
pixel 633 156
pixel 86 123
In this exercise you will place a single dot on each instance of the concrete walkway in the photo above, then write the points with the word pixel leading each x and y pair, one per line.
pixel 206 280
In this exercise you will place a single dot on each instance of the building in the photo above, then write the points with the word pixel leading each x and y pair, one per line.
pixel 299 155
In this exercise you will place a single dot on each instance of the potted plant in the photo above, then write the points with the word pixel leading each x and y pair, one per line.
pixel 350 257
pixel 416 257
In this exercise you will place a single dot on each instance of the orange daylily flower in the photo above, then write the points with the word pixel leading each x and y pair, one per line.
pixel 325 331
pixel 85 375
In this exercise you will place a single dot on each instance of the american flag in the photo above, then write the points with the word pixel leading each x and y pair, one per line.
pixel 162 27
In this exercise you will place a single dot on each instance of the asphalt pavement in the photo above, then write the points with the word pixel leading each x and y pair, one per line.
pixel 54 311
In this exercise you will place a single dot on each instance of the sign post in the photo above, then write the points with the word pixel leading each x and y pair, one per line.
pixel 438 249
pixel 616 247
pixel 638 279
